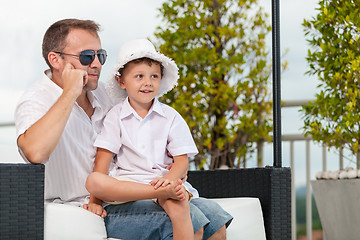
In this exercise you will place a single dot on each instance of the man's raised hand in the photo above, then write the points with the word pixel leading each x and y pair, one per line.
pixel 73 79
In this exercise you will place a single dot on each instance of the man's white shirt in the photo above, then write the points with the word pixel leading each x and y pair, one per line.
pixel 72 160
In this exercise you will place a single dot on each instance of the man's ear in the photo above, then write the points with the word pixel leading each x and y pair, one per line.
pixel 55 60
pixel 120 81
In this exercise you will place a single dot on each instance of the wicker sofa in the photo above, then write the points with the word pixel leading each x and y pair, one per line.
pixel 22 194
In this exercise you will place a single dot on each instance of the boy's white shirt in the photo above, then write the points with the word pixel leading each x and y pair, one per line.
pixel 141 144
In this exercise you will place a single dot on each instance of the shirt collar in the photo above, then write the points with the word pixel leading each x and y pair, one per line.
pixel 156 107
pixel 93 99
pixel 47 78
pixel 127 110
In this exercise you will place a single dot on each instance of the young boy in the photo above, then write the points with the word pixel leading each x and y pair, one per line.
pixel 140 131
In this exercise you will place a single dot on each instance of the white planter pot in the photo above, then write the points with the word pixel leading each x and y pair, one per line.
pixel 338 204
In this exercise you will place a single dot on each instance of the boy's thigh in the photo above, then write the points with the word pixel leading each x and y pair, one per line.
pixel 137 220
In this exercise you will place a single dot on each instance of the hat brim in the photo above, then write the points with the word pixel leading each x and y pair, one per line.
pixel 168 80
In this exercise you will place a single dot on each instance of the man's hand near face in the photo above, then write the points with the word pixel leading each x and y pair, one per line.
pixel 74 80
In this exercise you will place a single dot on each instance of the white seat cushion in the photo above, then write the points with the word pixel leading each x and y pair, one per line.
pixel 248 222
pixel 63 221
pixel 75 223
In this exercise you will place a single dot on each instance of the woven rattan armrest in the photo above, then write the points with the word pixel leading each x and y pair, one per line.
pixel 21 201
pixel 271 185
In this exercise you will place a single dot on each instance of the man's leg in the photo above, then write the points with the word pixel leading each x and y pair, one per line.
pixel 219 234
pixel 199 221
pixel 142 219
pixel 199 234
pixel 219 218
pixel 145 219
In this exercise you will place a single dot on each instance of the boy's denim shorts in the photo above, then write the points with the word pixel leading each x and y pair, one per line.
pixel 147 220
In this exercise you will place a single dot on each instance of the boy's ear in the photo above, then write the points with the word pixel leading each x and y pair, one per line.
pixel 120 81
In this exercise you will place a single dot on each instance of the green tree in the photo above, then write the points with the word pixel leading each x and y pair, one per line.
pixel 223 91
pixel 334 57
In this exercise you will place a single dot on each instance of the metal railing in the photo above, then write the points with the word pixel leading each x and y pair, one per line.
pixel 300 137
pixel 292 138
pixel 8 124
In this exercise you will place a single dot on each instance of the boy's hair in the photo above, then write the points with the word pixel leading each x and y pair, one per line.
pixel 147 60
pixel 55 36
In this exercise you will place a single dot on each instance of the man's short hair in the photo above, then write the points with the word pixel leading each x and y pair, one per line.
pixel 55 36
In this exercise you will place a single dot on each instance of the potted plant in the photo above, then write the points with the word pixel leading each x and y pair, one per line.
pixel 333 118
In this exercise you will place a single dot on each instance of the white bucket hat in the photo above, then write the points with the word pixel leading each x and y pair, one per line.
pixel 135 49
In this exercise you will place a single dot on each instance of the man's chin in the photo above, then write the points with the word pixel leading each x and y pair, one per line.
pixel 90 87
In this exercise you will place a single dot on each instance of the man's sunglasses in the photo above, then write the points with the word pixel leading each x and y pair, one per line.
pixel 86 57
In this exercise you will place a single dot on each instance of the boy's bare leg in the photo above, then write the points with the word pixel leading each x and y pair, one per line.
pixel 110 189
pixel 179 213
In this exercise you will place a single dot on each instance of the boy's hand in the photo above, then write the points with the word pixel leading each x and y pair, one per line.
pixel 160 182
pixel 95 208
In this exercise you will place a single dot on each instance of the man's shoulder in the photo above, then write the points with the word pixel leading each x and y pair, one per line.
pixel 102 96
pixel 117 107
pixel 42 90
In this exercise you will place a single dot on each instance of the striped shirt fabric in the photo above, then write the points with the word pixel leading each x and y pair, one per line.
pixel 72 160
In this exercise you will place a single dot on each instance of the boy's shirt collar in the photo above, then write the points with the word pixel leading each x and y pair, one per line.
pixel 127 109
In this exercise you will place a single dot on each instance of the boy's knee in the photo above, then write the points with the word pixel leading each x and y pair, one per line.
pixel 92 182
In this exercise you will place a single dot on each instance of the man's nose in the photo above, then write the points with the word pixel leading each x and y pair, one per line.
pixel 96 63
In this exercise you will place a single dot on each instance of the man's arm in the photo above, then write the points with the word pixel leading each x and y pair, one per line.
pixel 39 140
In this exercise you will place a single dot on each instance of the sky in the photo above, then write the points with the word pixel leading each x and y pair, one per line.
pixel 23 24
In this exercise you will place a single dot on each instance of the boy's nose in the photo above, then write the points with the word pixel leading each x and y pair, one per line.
pixel 148 81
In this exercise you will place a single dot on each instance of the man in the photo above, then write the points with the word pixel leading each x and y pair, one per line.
pixel 59 117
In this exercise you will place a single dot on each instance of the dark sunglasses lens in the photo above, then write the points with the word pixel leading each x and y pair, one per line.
pixel 87 57
pixel 102 56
